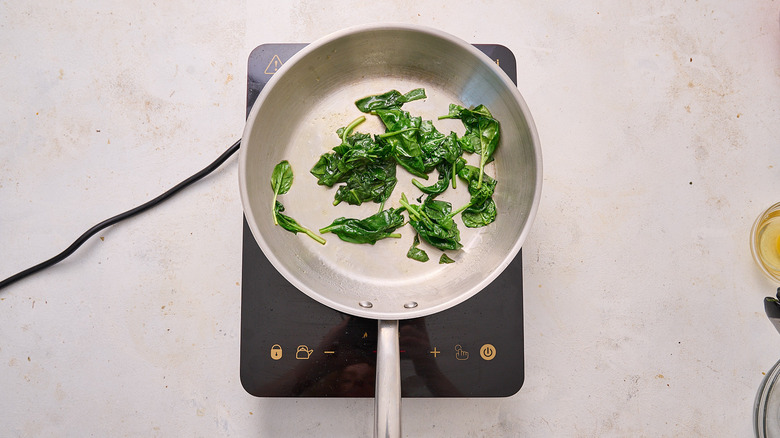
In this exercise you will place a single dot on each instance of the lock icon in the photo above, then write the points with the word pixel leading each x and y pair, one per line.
pixel 276 352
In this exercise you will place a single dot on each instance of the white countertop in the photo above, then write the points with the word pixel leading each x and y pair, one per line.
pixel 659 126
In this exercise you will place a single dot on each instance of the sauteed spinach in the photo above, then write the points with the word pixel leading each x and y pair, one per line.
pixel 364 167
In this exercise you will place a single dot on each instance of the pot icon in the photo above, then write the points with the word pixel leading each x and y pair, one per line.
pixel 303 352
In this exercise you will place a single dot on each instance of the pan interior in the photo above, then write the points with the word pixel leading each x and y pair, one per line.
pixel 296 118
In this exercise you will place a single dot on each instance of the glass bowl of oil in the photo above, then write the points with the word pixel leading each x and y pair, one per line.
pixel 765 242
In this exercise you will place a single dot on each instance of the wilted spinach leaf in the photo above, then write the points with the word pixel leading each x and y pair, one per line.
pixel 281 181
pixel 371 182
pixel 481 209
pixel 360 149
pixel 368 230
pixel 401 135
pixel 416 253
pixel 390 100
pixel 437 148
pixel 433 222
pixel 482 132
pixel 480 215
pixel 447 173
pixel 445 259
pixel 292 225
pixel 365 165
pixel 327 170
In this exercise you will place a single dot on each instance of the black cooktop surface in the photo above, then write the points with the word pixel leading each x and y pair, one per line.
pixel 293 346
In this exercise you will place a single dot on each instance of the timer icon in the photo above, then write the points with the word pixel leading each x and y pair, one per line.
pixel 487 352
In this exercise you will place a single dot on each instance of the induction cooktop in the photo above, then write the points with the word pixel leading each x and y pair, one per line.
pixel 293 346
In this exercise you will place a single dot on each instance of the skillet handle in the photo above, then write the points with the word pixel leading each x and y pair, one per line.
pixel 387 395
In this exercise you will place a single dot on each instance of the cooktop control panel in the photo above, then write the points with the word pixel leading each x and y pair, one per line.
pixel 293 346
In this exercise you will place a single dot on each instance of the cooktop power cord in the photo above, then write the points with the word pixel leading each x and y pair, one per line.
pixel 122 216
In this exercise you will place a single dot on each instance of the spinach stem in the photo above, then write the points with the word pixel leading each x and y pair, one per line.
pixel 414 212
pixel 481 172
pixel 454 174
pixel 455 213
pixel 311 234
pixel 482 160
pixel 405 203
pixel 354 124
pixel 392 133
pixel 273 208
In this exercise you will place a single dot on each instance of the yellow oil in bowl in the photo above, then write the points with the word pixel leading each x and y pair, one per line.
pixel 765 242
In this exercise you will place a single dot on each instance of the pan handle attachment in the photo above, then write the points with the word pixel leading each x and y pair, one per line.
pixel 387 395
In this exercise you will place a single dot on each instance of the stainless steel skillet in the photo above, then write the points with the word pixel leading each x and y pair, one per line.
pixel 295 118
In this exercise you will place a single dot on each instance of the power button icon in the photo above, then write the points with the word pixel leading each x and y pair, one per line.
pixel 487 352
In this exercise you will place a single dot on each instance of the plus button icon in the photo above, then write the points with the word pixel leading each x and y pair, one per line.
pixel 434 352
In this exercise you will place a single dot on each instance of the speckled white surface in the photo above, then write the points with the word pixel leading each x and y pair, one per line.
pixel 659 125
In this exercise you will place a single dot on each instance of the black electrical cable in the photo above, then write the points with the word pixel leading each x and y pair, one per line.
pixel 129 213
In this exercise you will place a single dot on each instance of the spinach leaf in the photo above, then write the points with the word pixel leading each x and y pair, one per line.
pixel 438 211
pixel 292 225
pixel 481 209
pixel 371 182
pixel 437 148
pixel 433 222
pixel 445 259
pixel 472 176
pixel 416 253
pixel 401 135
pixel 360 149
pixel 365 165
pixel 368 230
pixel 390 100
pixel 327 170
pixel 332 168
pixel 467 116
pixel 281 181
pixel 482 132
pixel 431 143
pixel 480 215
pixel 447 173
